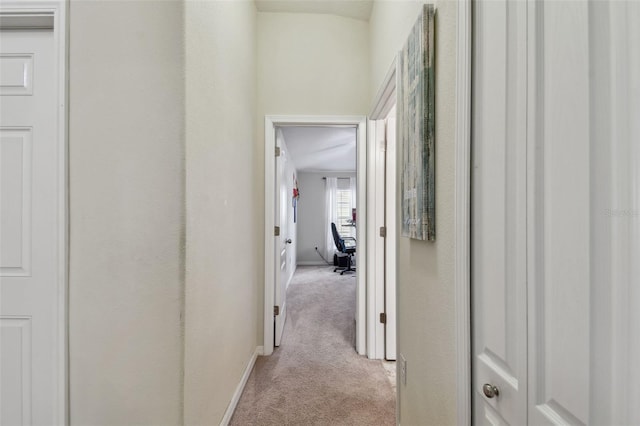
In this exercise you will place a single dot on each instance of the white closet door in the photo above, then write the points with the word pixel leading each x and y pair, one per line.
pixel 499 256
pixel 30 218
pixel 555 212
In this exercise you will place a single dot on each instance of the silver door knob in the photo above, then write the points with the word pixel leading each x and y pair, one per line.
pixel 288 241
pixel 490 391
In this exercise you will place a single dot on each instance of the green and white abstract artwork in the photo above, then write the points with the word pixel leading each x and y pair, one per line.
pixel 416 128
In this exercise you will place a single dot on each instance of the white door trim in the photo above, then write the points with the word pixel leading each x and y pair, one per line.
pixel 383 103
pixel 375 248
pixel 38 15
pixel 386 97
pixel 462 213
pixel 270 123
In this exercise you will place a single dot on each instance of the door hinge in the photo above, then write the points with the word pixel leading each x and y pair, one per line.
pixel 276 231
pixel 277 151
pixel 383 231
pixel 276 310
pixel 383 318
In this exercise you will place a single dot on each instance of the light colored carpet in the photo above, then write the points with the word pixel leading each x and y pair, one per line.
pixel 315 377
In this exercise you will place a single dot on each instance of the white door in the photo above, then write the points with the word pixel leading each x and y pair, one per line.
pixel 390 248
pixel 552 283
pixel 30 218
pixel 499 245
pixel 282 241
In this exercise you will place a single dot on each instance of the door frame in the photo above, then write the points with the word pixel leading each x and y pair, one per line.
pixel 52 14
pixel 385 100
pixel 462 206
pixel 270 124
pixel 462 211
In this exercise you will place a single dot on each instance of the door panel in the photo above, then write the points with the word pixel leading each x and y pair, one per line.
pixel 282 220
pixel 559 302
pixel 499 212
pixel 29 223
pixel 15 180
pixel 486 415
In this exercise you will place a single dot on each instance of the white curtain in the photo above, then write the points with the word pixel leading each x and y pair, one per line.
pixel 330 216
pixel 352 185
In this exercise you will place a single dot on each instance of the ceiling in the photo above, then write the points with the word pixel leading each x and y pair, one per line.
pixel 321 149
pixel 356 9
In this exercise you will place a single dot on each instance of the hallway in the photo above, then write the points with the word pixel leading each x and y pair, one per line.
pixel 315 376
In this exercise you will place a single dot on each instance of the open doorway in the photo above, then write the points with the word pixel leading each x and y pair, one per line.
pixel 278 195
pixel 315 370
pixel 317 229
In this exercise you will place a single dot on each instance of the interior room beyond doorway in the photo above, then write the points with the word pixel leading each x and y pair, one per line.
pixel 325 162
pixel 319 162
pixel 309 149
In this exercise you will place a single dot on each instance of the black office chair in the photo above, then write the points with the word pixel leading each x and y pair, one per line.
pixel 346 245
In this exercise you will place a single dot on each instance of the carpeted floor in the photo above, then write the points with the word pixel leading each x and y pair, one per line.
pixel 315 377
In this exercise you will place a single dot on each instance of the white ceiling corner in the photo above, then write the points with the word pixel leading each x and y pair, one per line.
pixel 355 9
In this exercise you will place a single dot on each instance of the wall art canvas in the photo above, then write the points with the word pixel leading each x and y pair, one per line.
pixel 416 129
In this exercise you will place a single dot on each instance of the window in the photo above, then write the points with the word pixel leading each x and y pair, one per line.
pixel 344 204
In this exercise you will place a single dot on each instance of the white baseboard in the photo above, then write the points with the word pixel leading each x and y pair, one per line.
pixel 313 263
pixel 243 381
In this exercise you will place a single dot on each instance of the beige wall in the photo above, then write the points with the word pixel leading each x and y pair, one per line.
pixel 389 26
pixel 307 64
pixel 426 320
pixel 127 195
pixel 312 64
pixel 126 212
pixel 222 262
